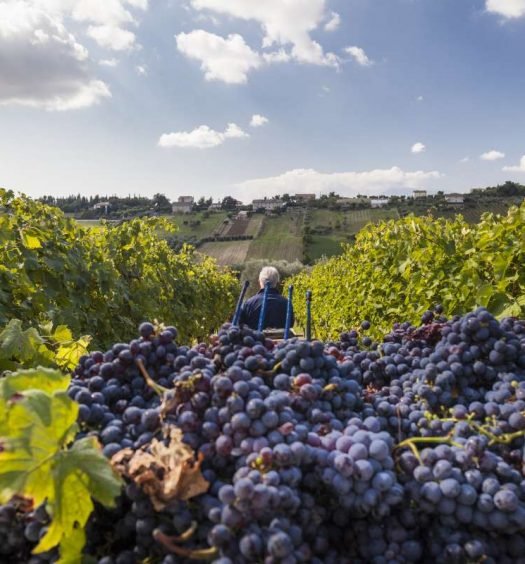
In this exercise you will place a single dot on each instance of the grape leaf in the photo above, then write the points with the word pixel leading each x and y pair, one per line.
pixel 29 240
pixel 36 460
pixel 68 354
pixel 62 334
pixel 78 474
pixel 18 344
pixel 44 379
pixel 164 471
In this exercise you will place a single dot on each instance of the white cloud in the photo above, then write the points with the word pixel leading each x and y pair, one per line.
pixel 333 23
pixel 202 137
pixel 280 56
pixel 41 64
pixel 108 18
pixel 519 168
pixel 418 148
pixel 359 56
pixel 492 156
pixel 506 8
pixel 420 98
pixel 141 70
pixel 258 120
pixel 373 182
pixel 229 60
pixel 108 62
pixel 111 37
pixel 465 160
pixel 284 23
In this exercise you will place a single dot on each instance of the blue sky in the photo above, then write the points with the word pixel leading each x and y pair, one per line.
pixel 259 97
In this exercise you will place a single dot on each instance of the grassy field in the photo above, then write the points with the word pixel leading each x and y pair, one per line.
pixel 227 252
pixel 256 222
pixel 207 225
pixel 280 239
pixel 329 229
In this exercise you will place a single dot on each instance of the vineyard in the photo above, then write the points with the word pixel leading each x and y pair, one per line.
pixel 398 269
pixel 397 436
pixel 103 282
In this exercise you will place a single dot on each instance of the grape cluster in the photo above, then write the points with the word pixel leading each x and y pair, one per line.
pixel 356 451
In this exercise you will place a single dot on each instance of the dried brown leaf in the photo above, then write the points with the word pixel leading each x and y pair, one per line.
pixel 165 472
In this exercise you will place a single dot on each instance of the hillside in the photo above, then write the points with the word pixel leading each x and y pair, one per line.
pixel 306 233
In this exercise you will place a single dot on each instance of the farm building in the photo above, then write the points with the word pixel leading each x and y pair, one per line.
pixel 183 205
pixel 268 205
pixel 304 197
pixel 378 202
pixel 454 198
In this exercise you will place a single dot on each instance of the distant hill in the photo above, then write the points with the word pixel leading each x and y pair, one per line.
pixel 308 234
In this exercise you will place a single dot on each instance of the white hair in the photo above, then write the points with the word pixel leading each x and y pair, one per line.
pixel 269 274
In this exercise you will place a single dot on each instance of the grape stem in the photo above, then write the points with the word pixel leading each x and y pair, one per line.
pixel 160 390
pixel 192 553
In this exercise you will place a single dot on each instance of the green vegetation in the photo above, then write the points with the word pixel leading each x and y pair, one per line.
pixel 399 269
pixel 38 459
pixel 318 230
pixel 281 238
pixel 103 281
pixel 226 252
pixel 329 229
pixel 198 225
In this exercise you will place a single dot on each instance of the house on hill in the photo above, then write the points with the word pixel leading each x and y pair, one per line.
pixel 378 202
pixel 106 206
pixel 416 194
pixel 183 205
pixel 268 205
pixel 456 199
pixel 303 198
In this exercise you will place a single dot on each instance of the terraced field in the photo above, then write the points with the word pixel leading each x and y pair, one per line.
pixel 226 252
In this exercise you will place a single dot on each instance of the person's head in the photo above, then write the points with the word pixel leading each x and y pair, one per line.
pixel 269 274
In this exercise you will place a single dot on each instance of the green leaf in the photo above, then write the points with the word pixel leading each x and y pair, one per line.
pixel 37 460
pixel 62 334
pixel 69 354
pixel 85 456
pixel 44 379
pixel 29 240
pixel 18 344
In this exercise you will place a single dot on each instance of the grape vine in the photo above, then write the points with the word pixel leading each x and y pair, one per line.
pixel 398 269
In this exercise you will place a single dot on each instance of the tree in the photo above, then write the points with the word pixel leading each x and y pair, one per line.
pixel 161 203
pixel 229 203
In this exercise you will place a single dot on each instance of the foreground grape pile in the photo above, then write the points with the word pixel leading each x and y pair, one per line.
pixel 409 450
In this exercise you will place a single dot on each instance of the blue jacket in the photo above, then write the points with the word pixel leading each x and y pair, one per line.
pixel 275 310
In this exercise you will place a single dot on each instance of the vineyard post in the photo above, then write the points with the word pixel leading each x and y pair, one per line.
pixel 238 309
pixel 309 315
pixel 262 315
pixel 288 312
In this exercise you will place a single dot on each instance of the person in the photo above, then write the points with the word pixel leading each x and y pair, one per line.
pixel 276 304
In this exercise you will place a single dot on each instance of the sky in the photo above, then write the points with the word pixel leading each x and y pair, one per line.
pixel 256 98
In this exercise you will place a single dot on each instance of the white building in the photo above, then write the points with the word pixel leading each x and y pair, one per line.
pixel 268 205
pixel 102 205
pixel 419 194
pixel 454 198
pixel 378 202
pixel 183 205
